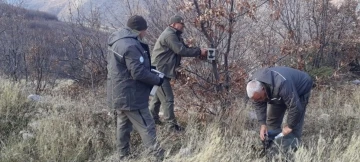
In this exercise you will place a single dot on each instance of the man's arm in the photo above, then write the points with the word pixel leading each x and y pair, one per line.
pixel 261 110
pixel 292 101
pixel 134 63
pixel 173 42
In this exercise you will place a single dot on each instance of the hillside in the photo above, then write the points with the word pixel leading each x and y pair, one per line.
pixel 48 48
pixel 50 6
pixel 59 127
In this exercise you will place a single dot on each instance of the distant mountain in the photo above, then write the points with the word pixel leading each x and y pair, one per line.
pixel 55 7
pixel 106 9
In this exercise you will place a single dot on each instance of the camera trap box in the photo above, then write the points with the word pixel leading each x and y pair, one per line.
pixel 211 54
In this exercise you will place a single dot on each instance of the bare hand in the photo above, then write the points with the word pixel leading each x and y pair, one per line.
pixel 263 132
pixel 286 130
pixel 203 52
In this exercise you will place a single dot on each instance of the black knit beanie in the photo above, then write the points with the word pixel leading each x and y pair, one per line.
pixel 137 23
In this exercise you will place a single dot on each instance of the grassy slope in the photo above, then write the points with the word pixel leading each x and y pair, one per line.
pixel 79 129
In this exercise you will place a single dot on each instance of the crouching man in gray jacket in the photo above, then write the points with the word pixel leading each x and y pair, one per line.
pixel 281 88
pixel 129 84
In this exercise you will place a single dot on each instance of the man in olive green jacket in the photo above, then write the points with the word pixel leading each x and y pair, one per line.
pixel 166 57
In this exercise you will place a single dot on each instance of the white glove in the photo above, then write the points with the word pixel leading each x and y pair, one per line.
pixel 279 135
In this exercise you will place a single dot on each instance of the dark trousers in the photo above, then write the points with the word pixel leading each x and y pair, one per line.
pixel 143 123
pixel 164 98
pixel 275 115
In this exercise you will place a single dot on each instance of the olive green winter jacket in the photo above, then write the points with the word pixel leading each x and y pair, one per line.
pixel 168 50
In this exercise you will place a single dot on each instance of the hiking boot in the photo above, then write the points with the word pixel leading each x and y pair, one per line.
pixel 154 155
pixel 158 122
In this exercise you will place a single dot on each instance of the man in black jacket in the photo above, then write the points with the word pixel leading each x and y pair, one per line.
pixel 283 89
pixel 129 84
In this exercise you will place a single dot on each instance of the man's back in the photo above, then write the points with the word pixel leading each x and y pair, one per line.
pixel 162 57
pixel 129 77
pixel 168 50
pixel 161 45
pixel 300 79
pixel 277 76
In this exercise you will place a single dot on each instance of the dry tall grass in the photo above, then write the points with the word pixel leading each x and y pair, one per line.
pixel 57 128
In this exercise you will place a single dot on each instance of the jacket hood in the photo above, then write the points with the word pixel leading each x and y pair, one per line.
pixel 263 75
pixel 121 34
pixel 267 77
